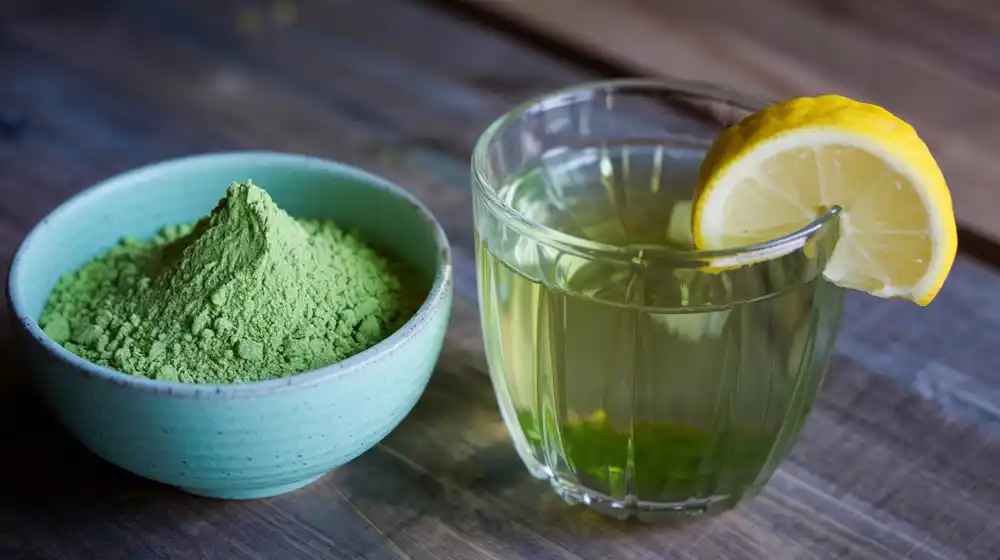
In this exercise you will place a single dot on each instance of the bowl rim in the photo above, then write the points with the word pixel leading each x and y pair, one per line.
pixel 436 297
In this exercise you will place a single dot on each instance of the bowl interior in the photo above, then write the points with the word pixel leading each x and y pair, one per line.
pixel 141 202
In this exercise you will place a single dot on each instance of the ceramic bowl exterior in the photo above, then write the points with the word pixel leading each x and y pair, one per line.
pixel 247 440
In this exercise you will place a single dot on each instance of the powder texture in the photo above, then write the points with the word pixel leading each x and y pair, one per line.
pixel 248 293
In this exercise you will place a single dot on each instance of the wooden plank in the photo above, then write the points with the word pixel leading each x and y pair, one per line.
pixel 897 460
pixel 940 75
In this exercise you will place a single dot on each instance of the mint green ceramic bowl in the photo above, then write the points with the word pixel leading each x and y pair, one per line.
pixel 233 441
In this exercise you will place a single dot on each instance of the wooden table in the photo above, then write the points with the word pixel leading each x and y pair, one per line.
pixel 901 457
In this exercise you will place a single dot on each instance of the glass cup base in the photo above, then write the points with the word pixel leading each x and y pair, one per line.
pixel 574 494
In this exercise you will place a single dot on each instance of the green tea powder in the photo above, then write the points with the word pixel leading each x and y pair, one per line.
pixel 248 293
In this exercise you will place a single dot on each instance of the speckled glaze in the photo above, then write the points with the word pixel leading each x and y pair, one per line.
pixel 233 441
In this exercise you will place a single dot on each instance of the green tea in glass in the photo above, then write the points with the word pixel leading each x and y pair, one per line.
pixel 636 374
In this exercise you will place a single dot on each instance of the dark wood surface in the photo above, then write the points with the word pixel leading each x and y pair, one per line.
pixel 901 457
pixel 933 62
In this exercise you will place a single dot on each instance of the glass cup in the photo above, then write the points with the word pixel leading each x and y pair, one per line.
pixel 636 374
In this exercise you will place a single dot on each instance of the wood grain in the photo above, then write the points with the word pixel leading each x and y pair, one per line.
pixel 930 61
pixel 898 459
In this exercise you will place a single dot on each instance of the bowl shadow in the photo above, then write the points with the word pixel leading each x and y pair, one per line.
pixel 52 487
pixel 453 460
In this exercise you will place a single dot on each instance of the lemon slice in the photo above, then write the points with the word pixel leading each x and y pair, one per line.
pixel 780 168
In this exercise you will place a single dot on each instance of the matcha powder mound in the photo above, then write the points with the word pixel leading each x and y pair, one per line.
pixel 246 294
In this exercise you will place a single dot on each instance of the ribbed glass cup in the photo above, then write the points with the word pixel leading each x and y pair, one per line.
pixel 634 373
